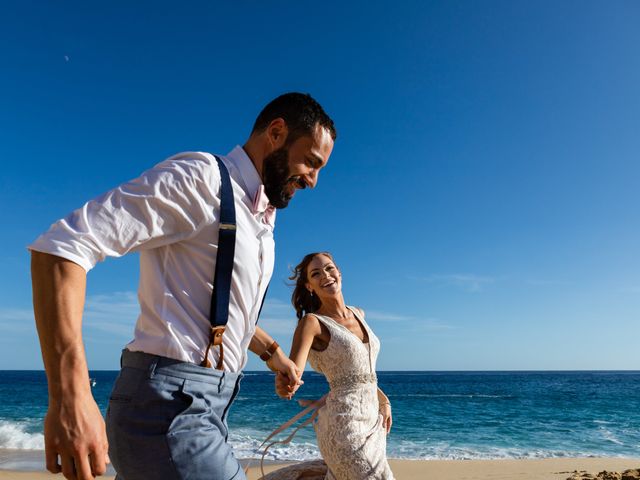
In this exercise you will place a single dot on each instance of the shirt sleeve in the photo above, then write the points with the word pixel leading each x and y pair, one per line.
pixel 166 204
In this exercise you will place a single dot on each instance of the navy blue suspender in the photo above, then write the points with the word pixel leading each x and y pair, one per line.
pixel 219 313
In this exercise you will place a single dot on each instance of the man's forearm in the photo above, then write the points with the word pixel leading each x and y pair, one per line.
pixel 74 431
pixel 58 300
pixel 260 341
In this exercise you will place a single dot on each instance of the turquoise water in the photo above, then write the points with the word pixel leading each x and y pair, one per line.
pixel 444 415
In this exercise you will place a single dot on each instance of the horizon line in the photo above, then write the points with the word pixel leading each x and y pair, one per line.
pixel 399 371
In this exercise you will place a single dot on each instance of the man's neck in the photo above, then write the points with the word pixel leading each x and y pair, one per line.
pixel 255 154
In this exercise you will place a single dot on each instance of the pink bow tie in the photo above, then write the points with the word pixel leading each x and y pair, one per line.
pixel 261 205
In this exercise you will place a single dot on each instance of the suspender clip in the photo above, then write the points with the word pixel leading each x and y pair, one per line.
pixel 215 339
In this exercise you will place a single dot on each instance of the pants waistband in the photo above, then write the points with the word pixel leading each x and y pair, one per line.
pixel 156 364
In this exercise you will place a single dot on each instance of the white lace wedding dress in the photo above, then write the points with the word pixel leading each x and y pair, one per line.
pixel 351 437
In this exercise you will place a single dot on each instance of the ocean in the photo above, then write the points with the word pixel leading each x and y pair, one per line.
pixel 436 415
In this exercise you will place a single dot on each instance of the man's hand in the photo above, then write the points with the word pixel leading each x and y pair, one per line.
pixel 284 389
pixel 288 375
pixel 75 434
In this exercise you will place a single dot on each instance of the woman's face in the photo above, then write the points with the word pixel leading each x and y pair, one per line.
pixel 323 277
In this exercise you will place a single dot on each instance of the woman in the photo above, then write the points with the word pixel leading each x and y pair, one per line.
pixel 352 424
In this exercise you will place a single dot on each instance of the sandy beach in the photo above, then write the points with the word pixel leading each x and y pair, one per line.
pixel 545 469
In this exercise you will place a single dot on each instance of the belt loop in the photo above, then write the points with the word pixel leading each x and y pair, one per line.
pixel 236 386
pixel 153 365
pixel 221 382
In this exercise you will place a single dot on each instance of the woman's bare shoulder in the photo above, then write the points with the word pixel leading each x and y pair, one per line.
pixel 309 323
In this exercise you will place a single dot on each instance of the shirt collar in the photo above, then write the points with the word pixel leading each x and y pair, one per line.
pixel 247 170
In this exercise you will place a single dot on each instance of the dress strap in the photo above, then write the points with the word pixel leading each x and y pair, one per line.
pixel 356 312
pixel 312 408
pixel 327 321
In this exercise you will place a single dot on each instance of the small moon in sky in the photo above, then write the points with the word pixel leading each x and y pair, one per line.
pixel 66 58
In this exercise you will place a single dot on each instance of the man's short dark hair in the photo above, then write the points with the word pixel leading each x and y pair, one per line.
pixel 300 112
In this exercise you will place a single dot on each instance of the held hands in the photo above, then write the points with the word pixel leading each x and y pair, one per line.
pixel 75 439
pixel 284 389
pixel 288 375
pixel 385 411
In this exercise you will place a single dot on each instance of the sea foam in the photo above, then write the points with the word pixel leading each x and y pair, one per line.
pixel 14 435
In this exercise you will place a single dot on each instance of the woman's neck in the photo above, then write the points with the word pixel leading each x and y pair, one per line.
pixel 334 307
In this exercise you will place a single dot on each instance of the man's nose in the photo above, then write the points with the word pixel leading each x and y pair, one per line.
pixel 311 178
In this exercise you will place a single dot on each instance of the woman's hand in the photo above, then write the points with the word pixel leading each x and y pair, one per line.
pixel 385 411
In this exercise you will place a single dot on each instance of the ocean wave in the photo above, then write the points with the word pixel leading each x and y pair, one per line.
pixel 610 436
pixel 14 435
pixel 245 446
pixel 448 395
pixel 443 451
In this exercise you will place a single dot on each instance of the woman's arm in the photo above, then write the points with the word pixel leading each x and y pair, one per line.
pixel 308 328
pixel 385 410
pixel 382 398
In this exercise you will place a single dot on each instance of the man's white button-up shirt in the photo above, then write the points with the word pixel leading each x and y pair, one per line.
pixel 170 215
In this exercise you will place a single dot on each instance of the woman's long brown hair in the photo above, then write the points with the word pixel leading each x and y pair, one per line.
pixel 301 299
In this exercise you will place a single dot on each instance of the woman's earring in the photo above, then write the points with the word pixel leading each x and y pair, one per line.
pixel 311 293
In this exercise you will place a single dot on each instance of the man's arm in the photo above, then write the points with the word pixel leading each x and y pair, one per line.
pixel 279 362
pixel 74 428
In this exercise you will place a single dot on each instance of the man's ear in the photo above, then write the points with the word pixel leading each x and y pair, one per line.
pixel 277 133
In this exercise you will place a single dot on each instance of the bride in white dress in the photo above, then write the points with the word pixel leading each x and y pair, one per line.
pixel 355 416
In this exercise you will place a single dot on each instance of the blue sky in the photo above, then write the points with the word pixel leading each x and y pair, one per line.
pixel 482 198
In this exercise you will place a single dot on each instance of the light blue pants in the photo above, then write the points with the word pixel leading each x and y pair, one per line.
pixel 167 420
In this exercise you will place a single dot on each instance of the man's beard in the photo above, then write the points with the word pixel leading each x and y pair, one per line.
pixel 276 177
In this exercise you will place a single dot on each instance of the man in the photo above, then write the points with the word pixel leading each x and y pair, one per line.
pixel 167 412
